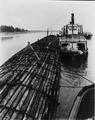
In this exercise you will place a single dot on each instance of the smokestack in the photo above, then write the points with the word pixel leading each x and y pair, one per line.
pixel 72 18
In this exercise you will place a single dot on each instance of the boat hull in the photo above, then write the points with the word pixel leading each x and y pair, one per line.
pixel 71 56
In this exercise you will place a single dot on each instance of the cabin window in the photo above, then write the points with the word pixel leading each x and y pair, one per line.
pixel 81 46
pixel 64 45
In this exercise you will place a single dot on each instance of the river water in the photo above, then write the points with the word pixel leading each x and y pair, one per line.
pixel 12 43
pixel 71 75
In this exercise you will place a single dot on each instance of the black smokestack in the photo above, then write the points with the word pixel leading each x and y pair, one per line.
pixel 72 18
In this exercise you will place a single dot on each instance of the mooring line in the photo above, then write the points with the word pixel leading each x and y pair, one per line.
pixel 77 74
pixel 73 86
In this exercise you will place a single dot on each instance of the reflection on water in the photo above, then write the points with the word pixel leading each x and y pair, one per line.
pixel 75 73
pixel 72 81
pixel 5 38
pixel 79 64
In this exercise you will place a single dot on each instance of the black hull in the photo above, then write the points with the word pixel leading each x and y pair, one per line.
pixel 73 59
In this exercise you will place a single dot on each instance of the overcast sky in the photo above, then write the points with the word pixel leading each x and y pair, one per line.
pixel 43 14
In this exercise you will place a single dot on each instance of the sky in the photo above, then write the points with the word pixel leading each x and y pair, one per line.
pixel 43 14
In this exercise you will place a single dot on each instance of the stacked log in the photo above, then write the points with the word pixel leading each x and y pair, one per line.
pixel 29 88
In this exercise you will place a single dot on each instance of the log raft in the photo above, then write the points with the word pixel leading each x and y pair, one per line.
pixel 29 88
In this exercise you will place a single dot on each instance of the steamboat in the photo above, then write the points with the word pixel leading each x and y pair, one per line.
pixel 72 42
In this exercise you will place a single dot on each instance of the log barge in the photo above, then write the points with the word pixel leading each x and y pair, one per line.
pixel 28 86
pixel 32 86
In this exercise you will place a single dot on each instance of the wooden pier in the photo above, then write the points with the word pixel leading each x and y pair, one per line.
pixel 29 87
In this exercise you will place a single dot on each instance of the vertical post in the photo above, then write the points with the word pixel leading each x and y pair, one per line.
pixel 72 22
pixel 47 32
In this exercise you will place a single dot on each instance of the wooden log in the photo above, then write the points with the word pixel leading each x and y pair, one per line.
pixel 31 88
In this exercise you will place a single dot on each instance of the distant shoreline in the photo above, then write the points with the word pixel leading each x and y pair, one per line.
pixel 15 32
pixel 11 29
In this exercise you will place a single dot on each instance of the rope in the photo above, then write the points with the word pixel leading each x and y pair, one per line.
pixel 73 86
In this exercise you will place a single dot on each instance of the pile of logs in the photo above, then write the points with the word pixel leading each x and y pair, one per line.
pixel 29 87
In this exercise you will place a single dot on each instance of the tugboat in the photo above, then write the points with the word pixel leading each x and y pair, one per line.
pixel 72 42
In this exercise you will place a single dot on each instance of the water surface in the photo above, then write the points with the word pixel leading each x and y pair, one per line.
pixel 12 43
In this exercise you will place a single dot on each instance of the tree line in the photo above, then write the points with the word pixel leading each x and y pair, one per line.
pixel 5 28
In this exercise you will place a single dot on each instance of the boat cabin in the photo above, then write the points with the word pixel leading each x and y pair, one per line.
pixel 71 38
pixel 76 45
pixel 71 28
